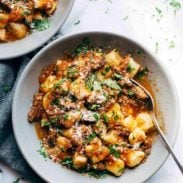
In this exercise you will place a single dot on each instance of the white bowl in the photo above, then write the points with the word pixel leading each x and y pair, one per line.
pixel 25 133
pixel 37 38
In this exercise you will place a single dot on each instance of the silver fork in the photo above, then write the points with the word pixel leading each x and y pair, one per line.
pixel 156 124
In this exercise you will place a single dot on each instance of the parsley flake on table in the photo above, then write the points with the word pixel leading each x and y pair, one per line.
pixel 172 44
pixel 78 22
pixel 158 10
pixel 6 88
pixel 156 47
pixel 176 5
pixel 125 18
pixel 17 180
pixel 106 11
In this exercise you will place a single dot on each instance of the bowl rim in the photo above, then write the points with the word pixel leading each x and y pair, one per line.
pixel 71 4
pixel 160 64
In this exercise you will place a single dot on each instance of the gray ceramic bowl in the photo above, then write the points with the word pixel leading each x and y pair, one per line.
pixel 28 84
pixel 37 38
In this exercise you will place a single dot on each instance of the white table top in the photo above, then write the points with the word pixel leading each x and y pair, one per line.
pixel 155 25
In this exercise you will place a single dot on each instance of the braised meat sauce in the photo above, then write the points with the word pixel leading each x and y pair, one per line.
pixel 91 117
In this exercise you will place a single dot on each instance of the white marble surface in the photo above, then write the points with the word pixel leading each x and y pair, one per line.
pixel 155 25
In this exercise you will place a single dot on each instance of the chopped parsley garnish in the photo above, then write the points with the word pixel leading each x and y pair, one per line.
pixel 40 25
pixel 54 120
pixel 86 170
pixel 105 118
pixel 112 84
pixel 129 68
pixel 26 12
pixel 44 123
pixel 82 48
pixel 114 115
pixel 121 170
pixel 113 151
pixel 55 101
pixel 73 98
pixel 130 93
pixel 68 162
pixel 90 82
pixel 142 73
pixel 106 70
pixel 57 85
pixel 93 107
pixel 98 174
pixel 62 149
pixel 90 137
pixel 42 151
pixel 139 52
pixel 66 117
pixel 117 76
pixel 51 121
pixel 96 116
pixel 72 72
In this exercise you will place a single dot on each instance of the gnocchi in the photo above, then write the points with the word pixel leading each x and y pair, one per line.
pixel 18 17
pixel 91 119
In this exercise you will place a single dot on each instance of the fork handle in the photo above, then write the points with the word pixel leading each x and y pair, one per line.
pixel 169 148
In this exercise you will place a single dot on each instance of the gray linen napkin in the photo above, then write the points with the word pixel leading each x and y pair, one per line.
pixel 9 152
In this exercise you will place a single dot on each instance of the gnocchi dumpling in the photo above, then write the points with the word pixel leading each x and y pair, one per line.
pixel 114 115
pixel 137 136
pixel 96 151
pixel 94 118
pixel 47 100
pixel 113 58
pixel 133 158
pixel 62 86
pixel 79 89
pixel 49 5
pixel 144 121
pixel 53 8
pixel 112 137
pixel 3 35
pixel 20 30
pixel 132 67
pixel 79 160
pixel 4 18
pixel 48 84
pixel 129 123
pixel 70 118
pixel 115 166
pixel 63 142
pixel 101 129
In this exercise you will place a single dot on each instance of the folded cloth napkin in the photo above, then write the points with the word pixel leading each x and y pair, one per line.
pixel 9 152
